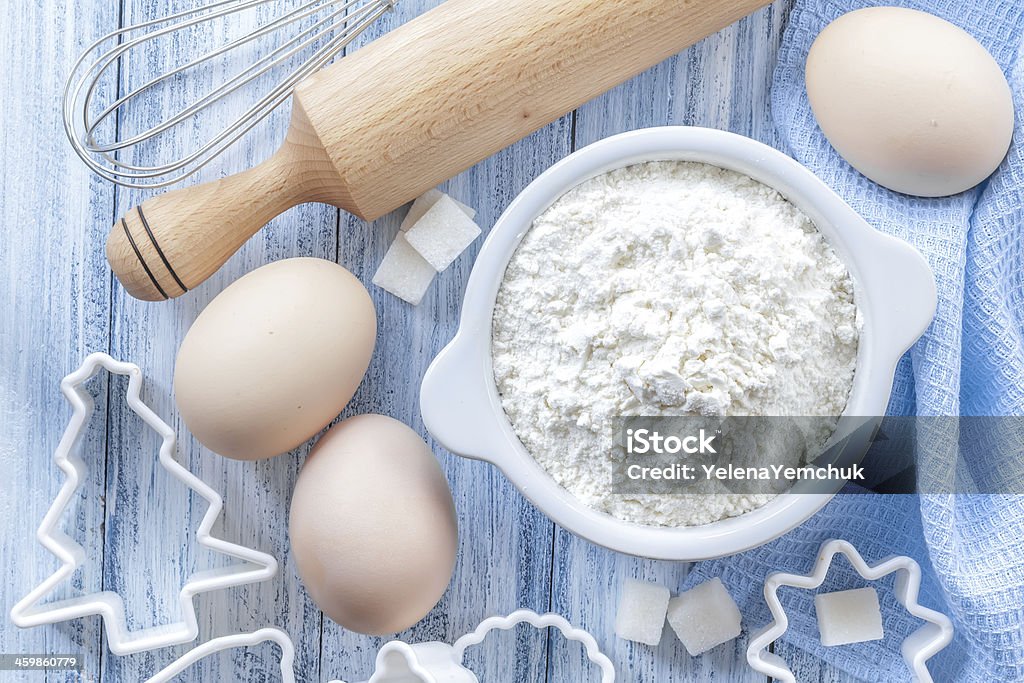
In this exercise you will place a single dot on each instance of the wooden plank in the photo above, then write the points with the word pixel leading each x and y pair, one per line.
pixel 504 549
pixel 59 293
pixel 718 83
pixel 54 303
pixel 151 522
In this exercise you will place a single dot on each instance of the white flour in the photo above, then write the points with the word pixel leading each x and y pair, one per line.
pixel 667 288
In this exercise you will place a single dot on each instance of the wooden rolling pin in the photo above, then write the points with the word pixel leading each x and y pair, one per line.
pixel 408 111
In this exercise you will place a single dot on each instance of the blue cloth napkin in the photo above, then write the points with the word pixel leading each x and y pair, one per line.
pixel 970 362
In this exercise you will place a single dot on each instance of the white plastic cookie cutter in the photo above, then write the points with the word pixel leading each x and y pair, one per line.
pixel 31 611
pixel 917 649
pixel 400 662
pixel 275 635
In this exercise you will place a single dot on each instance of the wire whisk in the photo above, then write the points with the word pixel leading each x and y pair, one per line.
pixel 322 28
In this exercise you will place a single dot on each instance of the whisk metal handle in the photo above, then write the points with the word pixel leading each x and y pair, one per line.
pixel 174 241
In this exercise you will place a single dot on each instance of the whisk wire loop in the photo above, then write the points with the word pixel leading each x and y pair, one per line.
pixel 83 119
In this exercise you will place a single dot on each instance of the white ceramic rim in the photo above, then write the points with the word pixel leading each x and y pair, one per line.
pixel 460 403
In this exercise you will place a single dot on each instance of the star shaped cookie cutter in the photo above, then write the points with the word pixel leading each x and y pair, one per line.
pixel 917 649
pixel 31 611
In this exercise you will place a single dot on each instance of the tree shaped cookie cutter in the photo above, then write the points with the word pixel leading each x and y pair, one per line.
pixel 917 648
pixel 400 662
pixel 230 642
pixel 31 611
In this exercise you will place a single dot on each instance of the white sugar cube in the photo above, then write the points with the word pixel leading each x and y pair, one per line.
pixel 846 617
pixel 641 614
pixel 403 272
pixel 704 616
pixel 423 204
pixel 442 233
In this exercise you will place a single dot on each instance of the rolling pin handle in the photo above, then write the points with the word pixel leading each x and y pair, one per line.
pixel 174 241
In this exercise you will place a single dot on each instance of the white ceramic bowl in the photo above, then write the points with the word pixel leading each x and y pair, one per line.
pixel 895 291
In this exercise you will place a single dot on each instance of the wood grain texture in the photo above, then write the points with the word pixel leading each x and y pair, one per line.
pixel 58 301
pixel 504 553
pixel 175 240
pixel 470 77
pixel 413 108
pixel 255 496
pixel 713 84
pixel 54 308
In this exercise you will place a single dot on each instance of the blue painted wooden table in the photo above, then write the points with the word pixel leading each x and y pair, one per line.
pixel 59 301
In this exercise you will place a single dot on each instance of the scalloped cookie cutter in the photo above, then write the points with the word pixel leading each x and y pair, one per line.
pixel 919 646
pixel 31 611
pixel 400 662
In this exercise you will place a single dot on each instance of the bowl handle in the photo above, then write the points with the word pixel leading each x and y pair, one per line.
pixel 455 402
pixel 907 284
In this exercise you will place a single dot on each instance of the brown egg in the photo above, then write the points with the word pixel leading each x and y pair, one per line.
pixel 372 526
pixel 275 357
pixel 913 102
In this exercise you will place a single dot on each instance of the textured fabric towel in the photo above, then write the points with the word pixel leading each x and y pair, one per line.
pixel 970 362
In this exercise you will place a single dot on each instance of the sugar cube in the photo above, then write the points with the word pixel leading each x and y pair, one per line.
pixel 846 617
pixel 641 614
pixel 423 204
pixel 403 272
pixel 704 616
pixel 442 233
